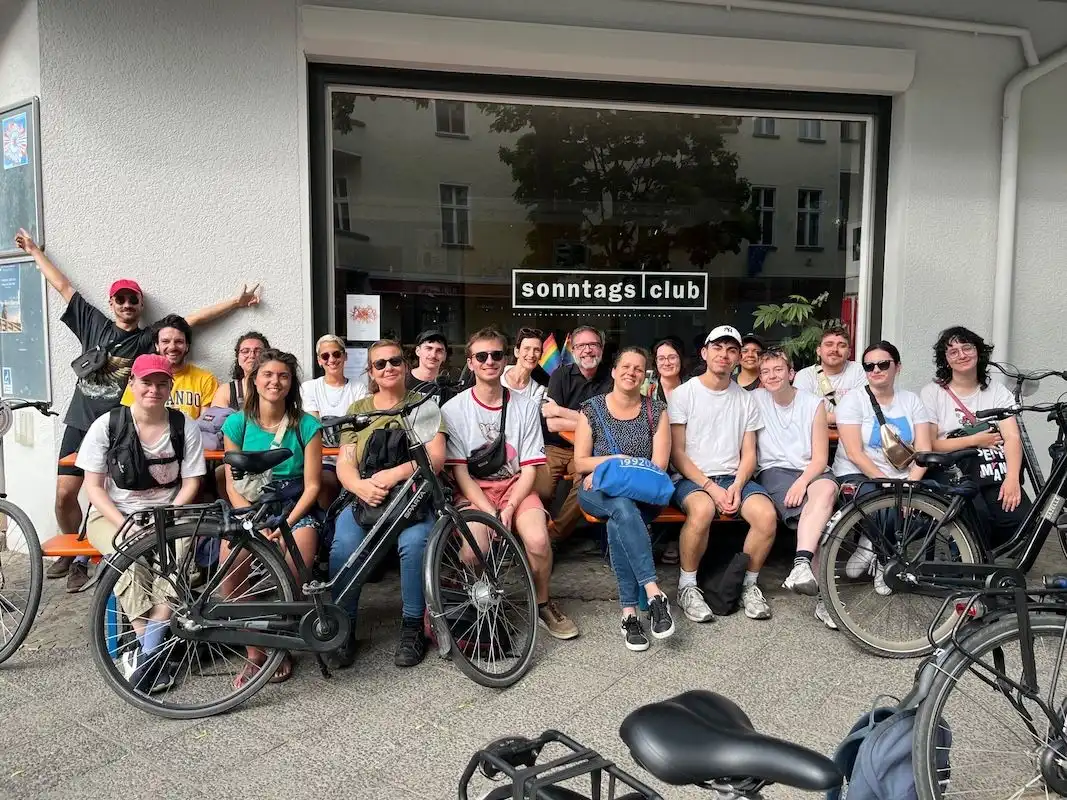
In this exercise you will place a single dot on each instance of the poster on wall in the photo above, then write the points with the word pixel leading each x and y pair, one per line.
pixel 10 299
pixel 23 332
pixel 356 364
pixel 363 313
pixel 20 178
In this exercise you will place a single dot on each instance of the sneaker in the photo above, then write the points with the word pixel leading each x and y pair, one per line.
pixel 59 567
pixel 345 655
pixel 634 634
pixel 755 605
pixel 824 616
pixel 659 617
pixel 77 577
pixel 411 648
pixel 802 580
pixel 555 621
pixel 860 560
pixel 145 673
pixel 691 601
pixel 879 582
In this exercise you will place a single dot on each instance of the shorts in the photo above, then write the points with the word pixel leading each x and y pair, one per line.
pixel 777 481
pixel 72 440
pixel 499 492
pixel 686 487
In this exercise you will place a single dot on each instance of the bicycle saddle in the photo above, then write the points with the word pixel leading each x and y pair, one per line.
pixel 250 462
pixel 945 459
pixel 699 737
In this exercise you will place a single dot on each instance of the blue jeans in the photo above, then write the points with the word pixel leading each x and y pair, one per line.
pixel 628 542
pixel 347 537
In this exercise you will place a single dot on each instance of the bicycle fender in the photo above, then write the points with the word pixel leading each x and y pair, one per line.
pixel 444 635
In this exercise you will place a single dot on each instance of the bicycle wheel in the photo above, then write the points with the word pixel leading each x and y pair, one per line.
pixel 21 577
pixel 489 616
pixel 178 678
pixel 997 735
pixel 868 533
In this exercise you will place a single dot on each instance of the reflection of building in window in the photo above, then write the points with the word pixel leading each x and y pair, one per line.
pixel 763 206
pixel 808 207
pixel 764 126
pixel 455 215
pixel 810 130
pixel 342 219
pixel 851 131
pixel 451 117
pixel 844 204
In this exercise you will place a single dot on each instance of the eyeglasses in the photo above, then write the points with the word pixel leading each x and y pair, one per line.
pixel 250 351
pixel 395 361
pixel 331 355
pixel 587 346
pixel 667 359
pixel 871 366
pixel 488 355
pixel 962 351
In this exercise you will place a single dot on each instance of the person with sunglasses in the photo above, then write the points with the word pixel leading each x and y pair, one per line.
pixel 526 376
pixel 387 371
pixel 473 421
pixel 121 340
pixel 860 453
pixel 330 395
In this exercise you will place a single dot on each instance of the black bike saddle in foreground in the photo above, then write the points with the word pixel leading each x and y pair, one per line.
pixel 701 737
pixel 944 459
pixel 250 462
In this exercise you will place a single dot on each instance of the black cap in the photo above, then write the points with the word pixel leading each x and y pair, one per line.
pixel 751 338
pixel 431 336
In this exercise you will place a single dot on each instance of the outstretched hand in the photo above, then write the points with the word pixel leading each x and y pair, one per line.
pixel 25 242
pixel 248 297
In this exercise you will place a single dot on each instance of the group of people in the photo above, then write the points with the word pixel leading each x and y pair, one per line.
pixel 745 437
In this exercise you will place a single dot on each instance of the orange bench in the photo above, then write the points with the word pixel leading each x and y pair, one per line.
pixel 67 544
pixel 209 455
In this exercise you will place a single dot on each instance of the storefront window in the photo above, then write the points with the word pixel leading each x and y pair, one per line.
pixel 453 214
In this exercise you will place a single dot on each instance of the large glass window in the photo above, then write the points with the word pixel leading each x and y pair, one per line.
pixel 460 213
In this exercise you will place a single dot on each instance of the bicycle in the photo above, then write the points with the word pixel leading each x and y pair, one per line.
pixel 217 601
pixel 1026 383
pixel 20 583
pixel 914 532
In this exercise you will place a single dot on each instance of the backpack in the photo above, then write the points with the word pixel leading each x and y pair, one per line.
pixel 126 463
pixel 387 447
pixel 722 589
pixel 876 756
pixel 210 424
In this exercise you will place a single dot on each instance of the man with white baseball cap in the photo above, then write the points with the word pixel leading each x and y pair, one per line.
pixel 713 445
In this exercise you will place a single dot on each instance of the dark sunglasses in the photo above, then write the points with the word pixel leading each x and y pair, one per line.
pixel 488 355
pixel 380 363
pixel 124 299
pixel 871 366
pixel 331 355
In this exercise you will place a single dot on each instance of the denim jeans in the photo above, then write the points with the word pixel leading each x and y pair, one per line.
pixel 347 537
pixel 628 542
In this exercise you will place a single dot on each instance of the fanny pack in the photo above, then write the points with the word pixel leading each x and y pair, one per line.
pixel 487 460
pixel 825 387
pixel 897 452
pixel 95 358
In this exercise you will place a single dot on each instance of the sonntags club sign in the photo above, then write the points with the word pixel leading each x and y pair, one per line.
pixel 564 290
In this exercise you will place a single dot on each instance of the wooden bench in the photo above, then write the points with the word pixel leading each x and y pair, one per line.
pixel 209 455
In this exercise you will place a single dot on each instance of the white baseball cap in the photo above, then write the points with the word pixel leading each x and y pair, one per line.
pixel 723 332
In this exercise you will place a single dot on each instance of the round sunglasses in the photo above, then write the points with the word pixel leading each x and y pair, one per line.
pixel 395 361
pixel 331 355
pixel 488 355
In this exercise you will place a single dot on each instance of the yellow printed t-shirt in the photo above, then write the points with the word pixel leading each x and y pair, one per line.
pixel 194 389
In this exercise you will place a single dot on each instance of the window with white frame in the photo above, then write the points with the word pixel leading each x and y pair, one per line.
pixel 763 198
pixel 451 117
pixel 851 131
pixel 764 126
pixel 342 218
pixel 810 130
pixel 809 206
pixel 455 215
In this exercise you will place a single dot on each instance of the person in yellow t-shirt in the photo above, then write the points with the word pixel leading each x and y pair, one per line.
pixel 194 387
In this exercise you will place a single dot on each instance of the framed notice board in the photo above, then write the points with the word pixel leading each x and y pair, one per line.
pixel 23 332
pixel 20 176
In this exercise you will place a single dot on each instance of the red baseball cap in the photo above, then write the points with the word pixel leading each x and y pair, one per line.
pixel 125 283
pixel 151 365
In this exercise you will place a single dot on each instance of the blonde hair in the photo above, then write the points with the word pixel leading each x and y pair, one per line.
pixel 330 338
pixel 372 385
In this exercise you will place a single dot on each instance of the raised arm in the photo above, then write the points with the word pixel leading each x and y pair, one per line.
pixel 247 297
pixel 55 277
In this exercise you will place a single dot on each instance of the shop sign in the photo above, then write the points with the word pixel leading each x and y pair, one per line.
pixel 564 290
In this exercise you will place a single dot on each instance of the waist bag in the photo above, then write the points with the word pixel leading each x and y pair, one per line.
pixel 487 460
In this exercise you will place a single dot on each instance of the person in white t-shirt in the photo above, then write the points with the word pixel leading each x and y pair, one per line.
pixel 792 450
pixel 713 445
pixel 526 376
pixel 472 420
pixel 330 396
pixel 961 388
pixel 834 376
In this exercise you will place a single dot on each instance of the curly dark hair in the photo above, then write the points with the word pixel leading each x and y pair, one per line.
pixel 237 372
pixel 957 333
pixel 176 322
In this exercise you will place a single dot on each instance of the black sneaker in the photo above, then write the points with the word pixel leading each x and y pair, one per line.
pixel 345 655
pixel 634 634
pixel 659 617
pixel 411 648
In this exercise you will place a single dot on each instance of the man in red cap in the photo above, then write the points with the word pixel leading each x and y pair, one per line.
pixel 118 341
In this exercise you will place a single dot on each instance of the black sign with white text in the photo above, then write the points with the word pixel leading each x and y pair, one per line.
pixel 560 290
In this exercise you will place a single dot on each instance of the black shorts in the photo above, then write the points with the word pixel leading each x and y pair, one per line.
pixel 72 440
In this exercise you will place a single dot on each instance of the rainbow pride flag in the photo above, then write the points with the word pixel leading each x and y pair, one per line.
pixel 567 356
pixel 550 357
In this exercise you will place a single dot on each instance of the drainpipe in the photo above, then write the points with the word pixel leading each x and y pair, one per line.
pixel 1004 273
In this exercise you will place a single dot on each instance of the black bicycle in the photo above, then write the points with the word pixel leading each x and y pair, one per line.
pixel 219 586
pixel 21 567
pixel 911 536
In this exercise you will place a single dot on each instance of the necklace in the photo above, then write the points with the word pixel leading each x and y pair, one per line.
pixel 778 414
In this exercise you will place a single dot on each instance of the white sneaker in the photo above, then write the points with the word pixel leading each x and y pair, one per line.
pixel 860 561
pixel 879 581
pixel 691 601
pixel 755 605
pixel 824 616
pixel 802 580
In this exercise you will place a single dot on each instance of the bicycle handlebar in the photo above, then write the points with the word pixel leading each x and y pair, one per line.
pixel 1011 371
pixel 42 406
pixel 389 412
pixel 1004 413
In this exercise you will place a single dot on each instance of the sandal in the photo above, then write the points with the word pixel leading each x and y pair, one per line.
pixel 247 673
pixel 284 671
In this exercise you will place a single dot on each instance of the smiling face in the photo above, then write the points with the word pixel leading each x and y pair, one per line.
pixel 486 359
pixel 390 374
pixel 151 391
pixel 832 351
pixel 750 354
pixel 332 358
pixel 884 371
pixel 431 355
pixel 668 361
pixel 172 345
pixel 248 351
pixel 629 372
pixel 774 372
pixel 126 306
pixel 528 353
pixel 721 357
pixel 588 351
pixel 962 357
pixel 273 381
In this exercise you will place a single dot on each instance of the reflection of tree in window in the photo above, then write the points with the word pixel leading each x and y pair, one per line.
pixel 455 215
pixel 629 186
